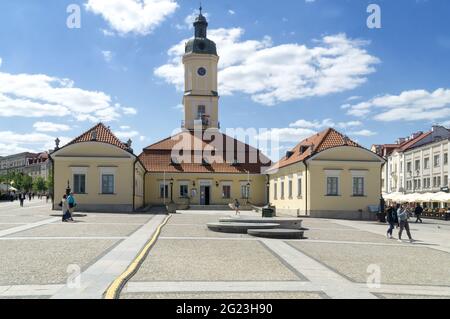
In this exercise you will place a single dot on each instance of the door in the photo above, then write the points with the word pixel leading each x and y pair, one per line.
pixel 205 196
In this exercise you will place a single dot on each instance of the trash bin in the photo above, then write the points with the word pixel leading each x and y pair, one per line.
pixel 268 213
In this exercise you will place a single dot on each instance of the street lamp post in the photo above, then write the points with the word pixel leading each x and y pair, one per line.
pixel 68 190
pixel 171 190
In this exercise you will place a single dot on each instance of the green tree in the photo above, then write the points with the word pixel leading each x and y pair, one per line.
pixel 39 185
pixel 49 183
pixel 27 183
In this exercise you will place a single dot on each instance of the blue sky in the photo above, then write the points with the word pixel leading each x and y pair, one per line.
pixel 292 66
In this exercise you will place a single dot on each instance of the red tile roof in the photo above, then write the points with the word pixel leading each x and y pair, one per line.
pixel 192 148
pixel 99 133
pixel 317 143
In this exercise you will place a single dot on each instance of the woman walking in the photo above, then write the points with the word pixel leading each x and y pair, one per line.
pixel 65 209
pixel 403 216
pixel 392 219
pixel 236 206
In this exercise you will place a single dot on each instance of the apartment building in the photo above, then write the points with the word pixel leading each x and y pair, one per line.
pixel 417 164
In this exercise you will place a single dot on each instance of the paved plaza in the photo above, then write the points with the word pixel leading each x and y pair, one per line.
pixel 42 258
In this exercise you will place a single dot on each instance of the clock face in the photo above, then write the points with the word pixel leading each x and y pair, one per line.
pixel 201 71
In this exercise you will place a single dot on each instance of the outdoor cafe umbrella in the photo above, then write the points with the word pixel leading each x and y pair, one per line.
pixel 441 197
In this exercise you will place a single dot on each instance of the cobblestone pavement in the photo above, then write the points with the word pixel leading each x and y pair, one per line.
pixel 44 258
pixel 339 259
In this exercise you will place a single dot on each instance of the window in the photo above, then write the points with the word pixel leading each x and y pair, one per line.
pixel 445 181
pixel 417 165
pixel 426 163
pixel 184 191
pixel 290 188
pixel 409 167
pixel 409 185
pixel 245 191
pixel 436 181
pixel 437 160
pixel 79 183
pixel 358 186
pixel 107 184
pixel 332 186
pixel 282 190
pixel 201 110
pixel 163 191
pixel 226 191
pixel 445 158
pixel 299 187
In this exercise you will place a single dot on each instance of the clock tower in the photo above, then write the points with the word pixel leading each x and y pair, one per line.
pixel 201 99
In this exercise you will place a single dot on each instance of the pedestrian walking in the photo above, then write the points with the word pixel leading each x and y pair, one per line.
pixel 418 212
pixel 65 209
pixel 72 204
pixel 402 215
pixel 391 217
pixel 21 199
pixel 237 205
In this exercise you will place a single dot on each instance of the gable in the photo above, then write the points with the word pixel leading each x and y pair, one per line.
pixel 347 153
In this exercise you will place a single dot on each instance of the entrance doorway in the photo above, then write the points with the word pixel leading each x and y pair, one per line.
pixel 205 195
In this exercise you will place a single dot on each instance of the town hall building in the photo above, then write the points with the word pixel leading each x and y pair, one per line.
pixel 200 166
pixel 325 175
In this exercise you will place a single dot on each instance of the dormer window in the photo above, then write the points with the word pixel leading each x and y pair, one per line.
pixel 94 135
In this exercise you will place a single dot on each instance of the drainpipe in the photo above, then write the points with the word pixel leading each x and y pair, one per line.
pixel 134 185
pixel 52 192
pixel 306 188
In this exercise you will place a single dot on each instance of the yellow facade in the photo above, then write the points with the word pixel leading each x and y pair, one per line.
pixel 194 183
pixel 92 160
pixel 344 163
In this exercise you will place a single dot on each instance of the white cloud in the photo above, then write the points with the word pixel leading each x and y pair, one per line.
pixel 365 133
pixel 286 135
pixel 40 95
pixel 8 149
pixel 139 17
pixel 32 142
pixel 129 110
pixel 107 56
pixel 415 105
pixel 125 127
pixel 318 125
pixel 50 127
pixel 273 74
pixel 126 134
pixel 231 12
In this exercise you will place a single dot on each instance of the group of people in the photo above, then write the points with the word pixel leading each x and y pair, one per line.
pixel 398 216
pixel 68 205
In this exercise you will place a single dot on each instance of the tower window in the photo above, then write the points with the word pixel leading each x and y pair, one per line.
pixel 201 110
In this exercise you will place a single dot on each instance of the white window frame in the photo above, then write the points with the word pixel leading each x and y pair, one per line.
pixel 359 174
pixel 299 186
pixel 248 193
pixel 329 173
pixel 222 185
pixel 186 184
pixel 166 195
pixel 80 171
pixel 108 171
